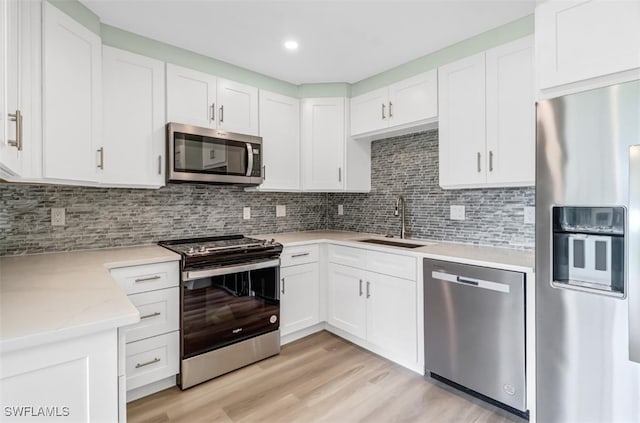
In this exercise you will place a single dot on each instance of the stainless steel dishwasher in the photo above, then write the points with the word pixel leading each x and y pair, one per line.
pixel 474 321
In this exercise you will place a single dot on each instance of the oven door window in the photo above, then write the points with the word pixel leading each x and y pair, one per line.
pixel 195 153
pixel 221 310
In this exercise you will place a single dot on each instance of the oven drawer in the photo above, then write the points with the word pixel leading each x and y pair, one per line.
pixel 292 256
pixel 392 264
pixel 159 313
pixel 347 256
pixel 147 277
pixel 152 359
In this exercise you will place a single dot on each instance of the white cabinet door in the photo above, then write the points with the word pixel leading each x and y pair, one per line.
pixel 369 112
pixel 71 97
pixel 133 118
pixel 461 101
pixel 191 97
pixel 10 150
pixel 237 107
pixel 392 316
pixel 577 40
pixel 414 99
pixel 280 132
pixel 511 114
pixel 346 299
pixel 323 138
pixel 299 299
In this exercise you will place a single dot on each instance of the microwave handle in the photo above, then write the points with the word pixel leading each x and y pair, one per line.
pixel 249 160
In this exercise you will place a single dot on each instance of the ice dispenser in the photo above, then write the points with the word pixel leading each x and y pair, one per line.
pixel 588 248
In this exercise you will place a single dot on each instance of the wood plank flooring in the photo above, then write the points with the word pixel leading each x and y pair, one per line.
pixel 320 378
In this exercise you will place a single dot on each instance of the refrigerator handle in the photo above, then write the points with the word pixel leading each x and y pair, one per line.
pixel 633 257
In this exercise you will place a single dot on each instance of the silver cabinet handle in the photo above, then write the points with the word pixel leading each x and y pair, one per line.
pixel 148 316
pixel 299 255
pixel 490 161
pixel 479 168
pixel 221 114
pixel 213 112
pixel 368 289
pixel 155 360
pixel 249 159
pixel 159 165
pixel 101 162
pixel 383 106
pixel 148 278
pixel 390 109
pixel 360 289
pixel 339 174
pixel 17 118
pixel 282 285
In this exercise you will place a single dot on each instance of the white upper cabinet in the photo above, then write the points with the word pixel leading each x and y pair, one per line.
pixel 461 95
pixel 237 107
pixel 133 119
pixel 405 104
pixel 71 98
pixel 323 143
pixel 577 40
pixel 191 97
pixel 200 99
pixel 280 132
pixel 510 108
pixel 487 118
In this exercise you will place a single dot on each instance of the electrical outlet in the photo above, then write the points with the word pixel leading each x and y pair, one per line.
pixel 58 216
pixel 529 215
pixel 281 211
pixel 340 209
pixel 457 213
pixel 246 213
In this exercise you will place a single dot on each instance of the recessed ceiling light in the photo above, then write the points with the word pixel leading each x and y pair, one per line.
pixel 291 45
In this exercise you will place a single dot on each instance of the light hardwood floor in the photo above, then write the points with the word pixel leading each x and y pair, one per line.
pixel 320 378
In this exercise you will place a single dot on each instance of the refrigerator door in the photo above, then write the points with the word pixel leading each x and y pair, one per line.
pixel 634 253
pixel 582 338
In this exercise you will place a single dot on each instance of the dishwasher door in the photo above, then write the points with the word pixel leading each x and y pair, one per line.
pixel 474 320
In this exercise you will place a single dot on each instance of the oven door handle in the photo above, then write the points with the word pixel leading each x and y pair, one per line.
pixel 227 270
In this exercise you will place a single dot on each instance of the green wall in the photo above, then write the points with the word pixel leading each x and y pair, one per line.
pixel 125 40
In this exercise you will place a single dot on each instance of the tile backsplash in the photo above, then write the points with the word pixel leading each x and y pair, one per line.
pixel 407 165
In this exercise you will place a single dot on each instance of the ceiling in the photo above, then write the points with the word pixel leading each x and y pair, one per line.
pixel 340 41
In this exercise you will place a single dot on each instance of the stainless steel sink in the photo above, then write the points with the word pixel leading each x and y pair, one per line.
pixel 392 243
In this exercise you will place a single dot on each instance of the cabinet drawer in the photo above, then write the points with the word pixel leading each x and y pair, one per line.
pixel 292 256
pixel 347 256
pixel 152 359
pixel 158 314
pixel 392 264
pixel 147 277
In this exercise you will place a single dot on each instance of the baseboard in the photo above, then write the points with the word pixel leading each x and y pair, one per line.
pixel 151 388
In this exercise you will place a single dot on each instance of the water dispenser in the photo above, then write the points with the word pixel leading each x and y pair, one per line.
pixel 588 248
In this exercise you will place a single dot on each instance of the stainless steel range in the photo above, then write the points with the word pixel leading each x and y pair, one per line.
pixel 230 304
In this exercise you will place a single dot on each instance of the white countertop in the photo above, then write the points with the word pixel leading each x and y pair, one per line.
pixel 52 297
pixel 500 258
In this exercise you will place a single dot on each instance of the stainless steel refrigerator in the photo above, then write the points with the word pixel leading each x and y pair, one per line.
pixel 588 256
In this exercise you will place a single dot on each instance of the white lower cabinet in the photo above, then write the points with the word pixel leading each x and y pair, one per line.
pixel 151 355
pixel 299 289
pixel 376 307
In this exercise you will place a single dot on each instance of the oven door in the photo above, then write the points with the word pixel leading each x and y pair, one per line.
pixel 225 305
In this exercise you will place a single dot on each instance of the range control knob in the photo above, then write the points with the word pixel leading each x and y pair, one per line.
pixel 202 249
pixel 191 250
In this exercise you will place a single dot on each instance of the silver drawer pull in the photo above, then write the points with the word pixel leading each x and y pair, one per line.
pixel 155 360
pixel 148 278
pixel 299 255
pixel 148 316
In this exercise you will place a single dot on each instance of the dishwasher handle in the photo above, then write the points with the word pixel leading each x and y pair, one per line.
pixel 472 282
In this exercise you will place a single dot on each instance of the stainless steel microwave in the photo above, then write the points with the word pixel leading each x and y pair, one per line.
pixel 196 154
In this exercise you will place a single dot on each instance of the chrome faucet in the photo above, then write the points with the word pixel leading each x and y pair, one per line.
pixel 401 213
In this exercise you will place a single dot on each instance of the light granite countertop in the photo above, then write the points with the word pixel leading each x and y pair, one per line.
pixel 52 297
pixel 500 258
